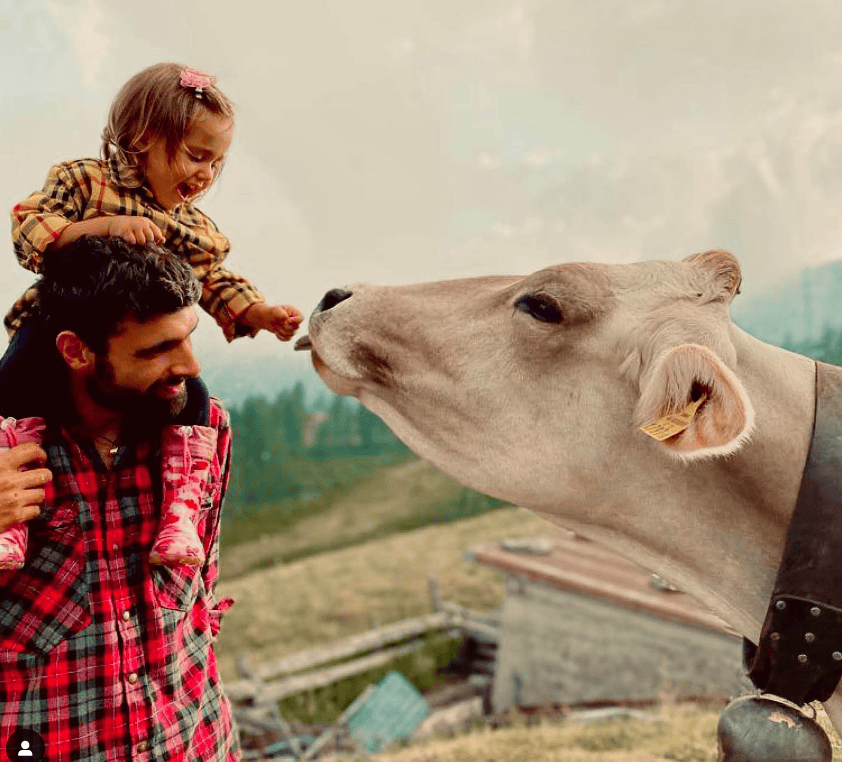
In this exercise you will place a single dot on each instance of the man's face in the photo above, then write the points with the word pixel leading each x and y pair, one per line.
pixel 143 371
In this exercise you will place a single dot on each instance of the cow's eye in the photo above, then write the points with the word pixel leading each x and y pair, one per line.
pixel 540 307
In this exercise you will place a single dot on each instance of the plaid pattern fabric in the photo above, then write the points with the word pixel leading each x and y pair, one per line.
pixel 86 188
pixel 107 658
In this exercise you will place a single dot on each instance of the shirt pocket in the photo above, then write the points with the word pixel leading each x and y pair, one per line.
pixel 48 600
pixel 177 587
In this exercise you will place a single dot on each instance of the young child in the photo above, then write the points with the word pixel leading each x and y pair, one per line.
pixel 168 132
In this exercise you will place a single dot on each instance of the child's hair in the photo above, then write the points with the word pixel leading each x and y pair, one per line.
pixel 154 104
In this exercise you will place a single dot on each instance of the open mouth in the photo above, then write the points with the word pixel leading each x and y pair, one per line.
pixel 187 191
pixel 303 344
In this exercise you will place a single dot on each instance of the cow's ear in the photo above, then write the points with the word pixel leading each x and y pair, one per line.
pixel 722 272
pixel 694 405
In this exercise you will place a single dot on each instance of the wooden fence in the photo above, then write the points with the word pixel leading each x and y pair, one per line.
pixel 258 690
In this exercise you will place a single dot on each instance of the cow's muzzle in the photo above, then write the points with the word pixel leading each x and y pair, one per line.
pixel 331 299
pixel 328 302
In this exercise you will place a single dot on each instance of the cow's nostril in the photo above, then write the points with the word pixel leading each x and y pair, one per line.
pixel 331 299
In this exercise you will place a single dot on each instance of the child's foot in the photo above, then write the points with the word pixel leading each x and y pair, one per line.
pixel 13 539
pixel 177 542
pixel 187 452
pixel 13 547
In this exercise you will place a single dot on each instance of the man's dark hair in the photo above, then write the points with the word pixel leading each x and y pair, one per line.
pixel 92 284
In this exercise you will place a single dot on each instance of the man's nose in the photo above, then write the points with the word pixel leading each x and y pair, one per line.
pixel 186 364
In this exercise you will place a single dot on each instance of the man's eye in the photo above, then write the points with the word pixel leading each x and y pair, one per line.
pixel 540 307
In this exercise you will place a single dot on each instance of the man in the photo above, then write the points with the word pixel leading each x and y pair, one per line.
pixel 103 655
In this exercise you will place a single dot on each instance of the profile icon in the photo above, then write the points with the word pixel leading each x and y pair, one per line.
pixel 26 746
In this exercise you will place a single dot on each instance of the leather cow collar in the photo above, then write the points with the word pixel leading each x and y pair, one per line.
pixel 799 656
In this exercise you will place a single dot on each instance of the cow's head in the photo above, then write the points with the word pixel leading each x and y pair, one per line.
pixel 508 382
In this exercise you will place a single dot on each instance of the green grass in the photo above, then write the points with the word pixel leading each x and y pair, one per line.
pixel 671 732
pixel 324 598
pixel 382 502
pixel 331 479
pixel 321 598
pixel 423 668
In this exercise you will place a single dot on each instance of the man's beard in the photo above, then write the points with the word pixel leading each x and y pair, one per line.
pixel 137 406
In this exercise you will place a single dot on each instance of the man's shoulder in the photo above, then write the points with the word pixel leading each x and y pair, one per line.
pixel 218 416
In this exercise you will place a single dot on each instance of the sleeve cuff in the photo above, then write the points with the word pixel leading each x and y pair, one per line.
pixel 215 613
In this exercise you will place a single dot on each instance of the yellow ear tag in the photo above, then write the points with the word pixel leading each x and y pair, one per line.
pixel 670 425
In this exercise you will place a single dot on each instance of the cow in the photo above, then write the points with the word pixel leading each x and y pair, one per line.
pixel 618 401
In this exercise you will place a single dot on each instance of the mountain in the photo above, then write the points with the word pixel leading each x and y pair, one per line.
pixel 794 310
pixel 235 377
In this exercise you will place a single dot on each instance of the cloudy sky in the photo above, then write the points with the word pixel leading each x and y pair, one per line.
pixel 395 140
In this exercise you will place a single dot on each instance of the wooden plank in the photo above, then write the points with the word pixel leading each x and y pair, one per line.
pixel 366 641
pixel 275 691
pixel 339 725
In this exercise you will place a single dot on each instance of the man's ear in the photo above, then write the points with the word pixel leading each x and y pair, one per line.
pixel 75 352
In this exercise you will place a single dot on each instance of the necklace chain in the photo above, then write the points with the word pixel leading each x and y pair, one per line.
pixel 115 445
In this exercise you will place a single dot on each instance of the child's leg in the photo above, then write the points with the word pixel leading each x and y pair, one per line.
pixel 13 539
pixel 187 450
pixel 27 371
pixel 187 453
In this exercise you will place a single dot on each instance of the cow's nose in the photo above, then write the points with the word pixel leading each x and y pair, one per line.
pixel 331 299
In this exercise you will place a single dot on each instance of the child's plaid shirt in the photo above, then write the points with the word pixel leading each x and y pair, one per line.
pixel 86 188
pixel 108 658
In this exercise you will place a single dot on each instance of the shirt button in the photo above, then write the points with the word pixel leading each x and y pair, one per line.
pixel 126 616
pixel 143 746
pixel 133 678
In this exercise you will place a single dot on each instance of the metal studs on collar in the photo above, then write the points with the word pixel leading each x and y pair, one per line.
pixel 815 611
pixel 780 605
pixel 809 637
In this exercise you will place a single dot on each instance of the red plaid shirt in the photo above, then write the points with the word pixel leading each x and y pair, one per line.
pixel 86 188
pixel 107 658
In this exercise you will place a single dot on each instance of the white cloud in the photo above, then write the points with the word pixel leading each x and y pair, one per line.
pixel 87 32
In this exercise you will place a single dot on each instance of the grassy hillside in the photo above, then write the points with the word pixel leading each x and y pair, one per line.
pixel 671 733
pixel 327 597
pixel 323 597
pixel 394 499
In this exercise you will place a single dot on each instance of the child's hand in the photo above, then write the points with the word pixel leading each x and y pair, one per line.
pixel 134 229
pixel 283 321
pixel 130 228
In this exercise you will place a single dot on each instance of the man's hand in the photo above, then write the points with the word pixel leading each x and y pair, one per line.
pixel 282 320
pixel 21 492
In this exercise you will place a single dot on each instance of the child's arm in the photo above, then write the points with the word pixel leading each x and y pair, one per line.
pixel 240 309
pixel 282 320
pixel 39 220
pixel 130 228
pixel 233 301
pixel 55 215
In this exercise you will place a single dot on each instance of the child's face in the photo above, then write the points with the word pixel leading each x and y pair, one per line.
pixel 195 165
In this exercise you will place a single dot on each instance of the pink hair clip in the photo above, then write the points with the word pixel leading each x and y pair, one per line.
pixel 197 80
